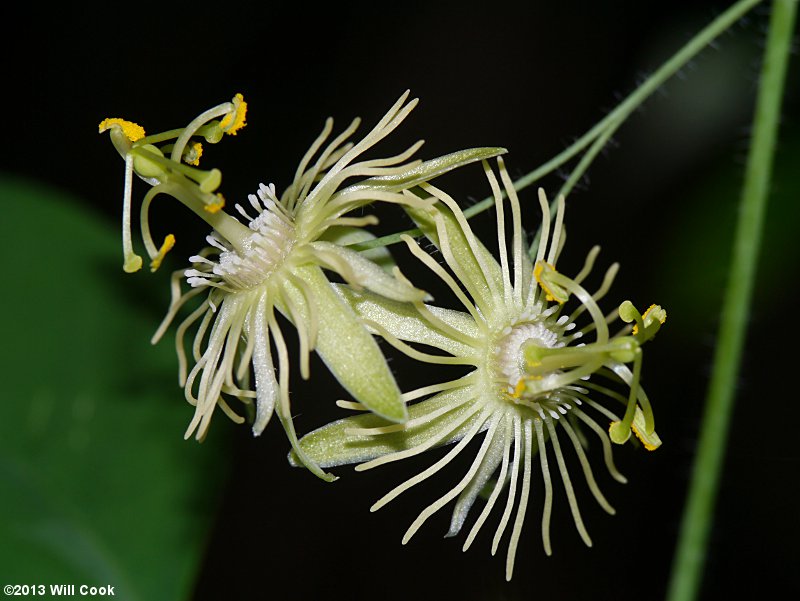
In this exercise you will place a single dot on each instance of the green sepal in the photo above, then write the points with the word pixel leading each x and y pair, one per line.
pixel 465 254
pixel 426 170
pixel 343 235
pixel 360 272
pixel 347 348
pixel 403 321
pixel 330 445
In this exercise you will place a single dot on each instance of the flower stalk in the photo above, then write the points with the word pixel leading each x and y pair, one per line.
pixel 697 519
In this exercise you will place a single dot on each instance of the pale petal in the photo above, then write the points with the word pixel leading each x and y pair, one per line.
pixel 346 347
pixel 361 272
pixel 427 170
pixel 473 261
pixel 331 446
pixel 347 235
pixel 403 321
pixel 488 466
pixel 263 368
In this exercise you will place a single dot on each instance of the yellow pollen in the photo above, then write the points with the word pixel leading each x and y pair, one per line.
pixel 519 389
pixel 234 121
pixel 549 294
pixel 646 441
pixel 131 130
pixel 197 147
pixel 169 242
pixel 214 207
pixel 662 319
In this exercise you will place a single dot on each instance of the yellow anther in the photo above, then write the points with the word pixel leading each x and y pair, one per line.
pixel 519 389
pixel 553 292
pixel 646 441
pixel 650 308
pixel 169 242
pixel 619 434
pixel 650 441
pixel 214 207
pixel 131 130
pixel 234 121
pixel 657 313
pixel 192 155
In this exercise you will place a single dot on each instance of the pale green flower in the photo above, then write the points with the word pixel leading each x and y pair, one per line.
pixel 533 370
pixel 274 261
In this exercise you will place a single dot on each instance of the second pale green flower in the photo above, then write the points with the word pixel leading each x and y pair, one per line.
pixel 533 371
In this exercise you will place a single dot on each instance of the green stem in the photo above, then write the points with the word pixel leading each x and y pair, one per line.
pixel 605 128
pixel 693 540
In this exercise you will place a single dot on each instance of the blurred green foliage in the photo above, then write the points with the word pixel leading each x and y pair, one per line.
pixel 702 234
pixel 98 486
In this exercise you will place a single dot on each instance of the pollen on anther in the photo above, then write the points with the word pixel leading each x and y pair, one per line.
pixel 169 242
pixel 215 207
pixel 194 155
pixel 235 120
pixel 133 131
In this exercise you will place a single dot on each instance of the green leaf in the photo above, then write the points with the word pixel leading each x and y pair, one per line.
pixel 99 486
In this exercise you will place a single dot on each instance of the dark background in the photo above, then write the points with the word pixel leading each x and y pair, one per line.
pixel 527 76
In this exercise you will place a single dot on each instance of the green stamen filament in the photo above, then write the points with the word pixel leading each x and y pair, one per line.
pixel 207 180
pixel 621 431
pixel 133 262
pixel 193 127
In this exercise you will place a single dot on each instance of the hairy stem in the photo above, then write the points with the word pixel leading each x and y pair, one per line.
pixel 697 519
pixel 606 127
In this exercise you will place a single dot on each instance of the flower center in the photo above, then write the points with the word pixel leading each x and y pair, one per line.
pixel 509 358
pixel 510 363
pixel 263 252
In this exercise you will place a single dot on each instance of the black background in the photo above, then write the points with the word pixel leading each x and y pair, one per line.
pixel 527 76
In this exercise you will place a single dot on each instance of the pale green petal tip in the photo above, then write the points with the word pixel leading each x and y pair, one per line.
pixel 395 411
pixel 301 458
pixel 360 272
pixel 330 446
pixel 388 405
